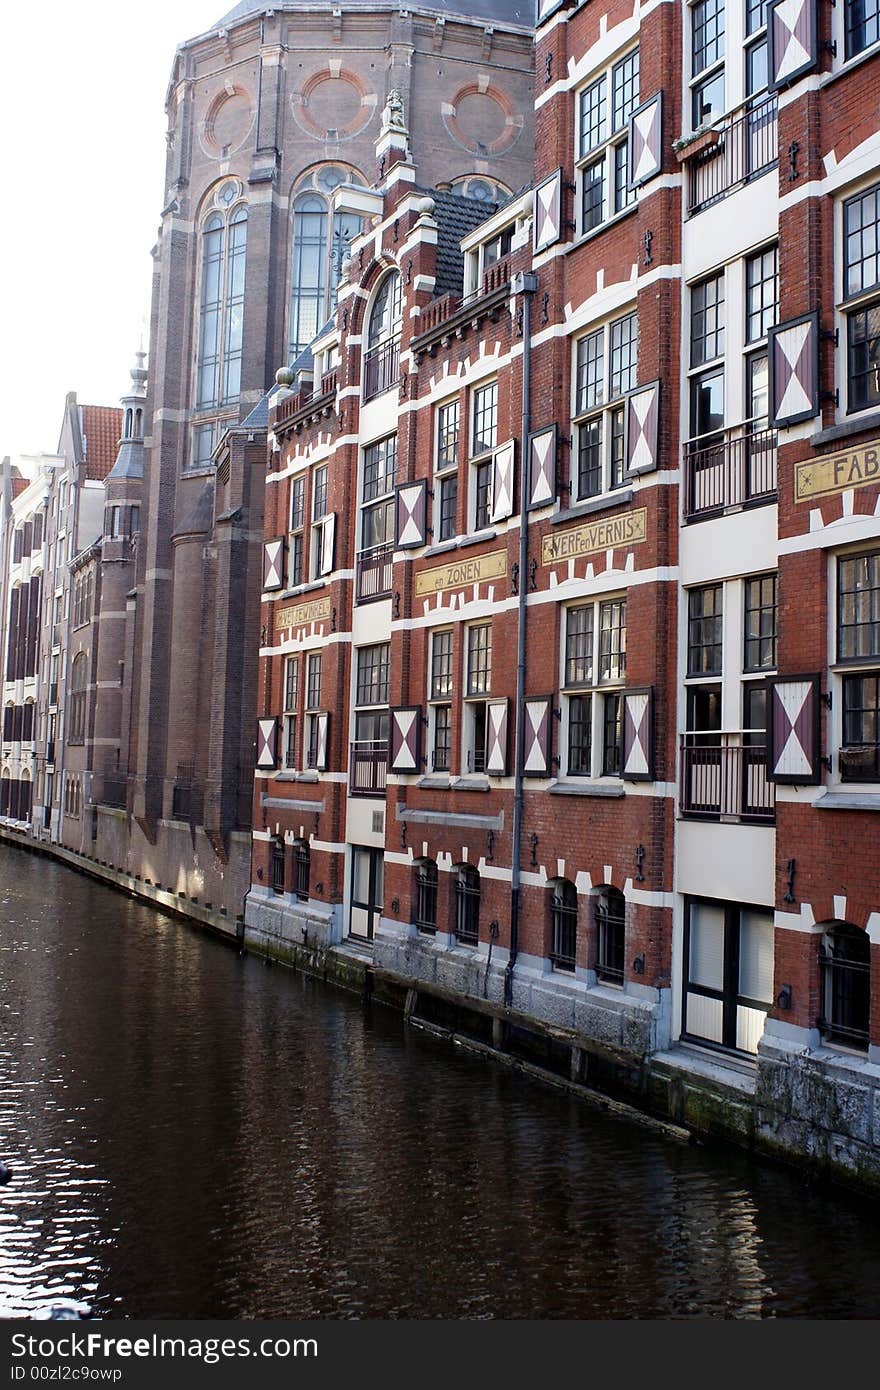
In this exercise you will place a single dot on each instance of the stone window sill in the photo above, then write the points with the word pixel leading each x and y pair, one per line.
pixel 840 800
pixel 471 784
pixel 862 423
pixel 606 789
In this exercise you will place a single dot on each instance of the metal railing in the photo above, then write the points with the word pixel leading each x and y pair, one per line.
pixel 735 470
pixel 373 569
pixel 846 988
pixel 725 780
pixel 369 768
pixel 381 368
pixel 746 147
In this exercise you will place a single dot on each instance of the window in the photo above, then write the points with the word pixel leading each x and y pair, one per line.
pixel 440 701
pixel 606 366
pixel 221 308
pixel 291 693
pixel 845 960
pixel 297 529
pixel 377 493
pixel 760 624
pixel 321 562
pixel 707 61
pixel 204 439
pixel 313 705
pixel 446 468
pixel 425 917
pixel 467 906
pixel 604 109
pixel 484 437
pixel 862 19
pixel 302 869
pixel 610 936
pixel 77 700
pixel 728 986
pixel 563 923
pixel 593 673
pixel 277 866
pixel 478 683
pixel 704 630
pixel 320 241
pixel 370 750
pixel 381 360
pixel 861 261
pixel 858 645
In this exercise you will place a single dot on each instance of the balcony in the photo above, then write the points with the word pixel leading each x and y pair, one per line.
pixel 329 382
pixel 726 781
pixel 369 769
pixel 740 147
pixel 381 368
pixel 736 470
pixel 373 573
pixel 494 277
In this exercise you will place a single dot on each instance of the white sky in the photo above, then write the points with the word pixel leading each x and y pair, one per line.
pixel 83 144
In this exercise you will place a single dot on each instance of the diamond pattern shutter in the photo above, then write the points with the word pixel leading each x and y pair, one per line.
pixel 637 735
pixel 496 737
pixel 792 31
pixel 542 467
pixel 267 741
pixel 323 741
pixel 794 370
pixel 406 738
pixel 793 733
pixel 502 481
pixel 642 414
pixel 410 515
pixel 548 212
pixel 328 538
pixel 548 7
pixel 273 564
pixel 537 713
pixel 646 141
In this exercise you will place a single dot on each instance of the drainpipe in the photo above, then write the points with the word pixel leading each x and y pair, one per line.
pixel 525 284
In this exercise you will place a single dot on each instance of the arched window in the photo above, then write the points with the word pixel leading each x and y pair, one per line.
pixel 382 357
pixel 302 864
pixel 77 702
pixel 221 308
pixel 425 897
pixel 611 935
pixel 467 905
pixel 319 242
pixel 846 986
pixel 563 923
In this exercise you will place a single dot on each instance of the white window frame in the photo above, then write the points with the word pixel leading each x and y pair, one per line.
pixel 605 149
pixel 481 459
pixel 604 409
pixel 597 689
pixel 850 304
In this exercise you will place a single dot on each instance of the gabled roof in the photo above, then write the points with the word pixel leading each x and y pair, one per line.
pixel 520 13
pixel 101 427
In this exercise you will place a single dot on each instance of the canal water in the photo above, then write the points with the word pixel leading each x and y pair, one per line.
pixel 194 1134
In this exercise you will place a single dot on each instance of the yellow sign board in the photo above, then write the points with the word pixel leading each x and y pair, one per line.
pixel 459 573
pixel 830 473
pixel 301 614
pixel 628 529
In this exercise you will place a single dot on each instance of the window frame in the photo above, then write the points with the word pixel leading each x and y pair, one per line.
pixel 607 409
pixel 608 152
pixel 860 302
pixel 477 693
pixel 592 702
pixel 440 696
pixel 446 470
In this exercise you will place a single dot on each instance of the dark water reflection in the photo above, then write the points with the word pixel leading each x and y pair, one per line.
pixel 195 1135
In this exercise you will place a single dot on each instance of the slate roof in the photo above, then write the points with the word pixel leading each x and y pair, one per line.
pixel 259 416
pixel 101 428
pixel 455 217
pixel 513 12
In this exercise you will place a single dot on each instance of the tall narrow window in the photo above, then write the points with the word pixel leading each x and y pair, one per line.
pixel 224 250
pixel 382 357
pixel 319 243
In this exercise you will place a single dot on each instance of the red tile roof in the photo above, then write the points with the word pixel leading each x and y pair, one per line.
pixel 102 430
pixel 19 482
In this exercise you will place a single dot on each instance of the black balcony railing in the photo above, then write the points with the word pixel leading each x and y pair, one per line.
pixel 381 368
pixel 369 768
pixel 373 573
pixel 736 469
pixel 725 780
pixel 745 147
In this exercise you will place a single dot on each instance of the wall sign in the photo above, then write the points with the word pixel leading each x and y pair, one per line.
pixel 628 529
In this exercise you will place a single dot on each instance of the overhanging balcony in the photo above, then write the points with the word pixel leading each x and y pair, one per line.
pixel 373 573
pixel 368 768
pixel 381 368
pixel 740 147
pixel 725 781
pixel 728 471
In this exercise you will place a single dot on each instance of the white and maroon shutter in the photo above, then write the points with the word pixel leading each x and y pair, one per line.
pixel 548 7
pixel 548 211
pixel 323 741
pixel 406 738
pixel 328 538
pixel 273 564
pixel 794 370
pixel 638 751
pixel 410 514
pixel 793 730
pixel 542 467
pixel 267 742
pixel 646 141
pixel 793 40
pixel 496 737
pixel 537 713
pixel 642 415
pixel 502 481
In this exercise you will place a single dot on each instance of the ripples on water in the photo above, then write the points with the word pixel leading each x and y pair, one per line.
pixel 196 1135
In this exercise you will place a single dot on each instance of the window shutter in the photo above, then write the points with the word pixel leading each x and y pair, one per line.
pixel 548 7
pixel 793 41
pixel 793 738
pixel 273 564
pixel 502 481
pixel 548 211
pixel 410 514
pixel 538 712
pixel 323 740
pixel 328 538
pixel 646 141
pixel 794 370
pixel 642 412
pixel 267 741
pixel 638 741
pixel 542 467
pixel 406 739
pixel 496 737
